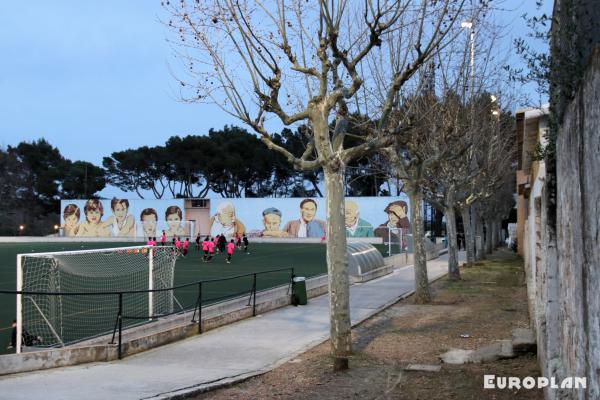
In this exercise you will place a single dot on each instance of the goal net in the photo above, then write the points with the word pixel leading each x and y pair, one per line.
pixel 90 282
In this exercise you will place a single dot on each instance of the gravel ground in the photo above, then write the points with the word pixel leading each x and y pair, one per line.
pixel 487 304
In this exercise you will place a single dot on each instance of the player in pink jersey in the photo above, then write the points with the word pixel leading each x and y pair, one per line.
pixel 205 248
pixel 163 238
pixel 211 250
pixel 230 247
pixel 177 243
pixel 186 244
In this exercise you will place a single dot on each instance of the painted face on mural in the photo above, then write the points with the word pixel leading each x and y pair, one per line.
pixel 149 223
pixel 173 220
pixel 308 211
pixel 351 213
pixel 272 222
pixel 227 216
pixel 71 221
pixel 120 211
pixel 93 216
pixel 397 212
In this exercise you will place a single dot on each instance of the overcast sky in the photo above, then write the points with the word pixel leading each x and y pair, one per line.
pixel 92 77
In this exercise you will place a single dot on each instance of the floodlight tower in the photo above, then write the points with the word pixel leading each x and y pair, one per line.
pixel 469 25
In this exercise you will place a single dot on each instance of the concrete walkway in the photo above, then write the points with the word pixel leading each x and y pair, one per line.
pixel 217 357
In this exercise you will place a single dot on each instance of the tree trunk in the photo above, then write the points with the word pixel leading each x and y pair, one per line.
pixel 469 235
pixel 453 271
pixel 500 241
pixel 422 293
pixel 339 287
pixel 488 237
pixel 480 253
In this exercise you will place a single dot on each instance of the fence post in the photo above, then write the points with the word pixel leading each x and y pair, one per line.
pixel 254 296
pixel 150 283
pixel 19 299
pixel 120 322
pixel 291 287
pixel 200 307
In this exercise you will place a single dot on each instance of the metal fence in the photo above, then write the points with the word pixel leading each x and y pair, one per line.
pixel 121 313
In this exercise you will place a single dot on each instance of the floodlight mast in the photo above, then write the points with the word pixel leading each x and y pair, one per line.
pixel 469 25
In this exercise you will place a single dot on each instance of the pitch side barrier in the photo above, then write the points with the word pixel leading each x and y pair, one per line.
pixel 121 315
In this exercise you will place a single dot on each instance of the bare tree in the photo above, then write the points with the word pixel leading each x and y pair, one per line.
pixel 475 174
pixel 481 153
pixel 301 62
pixel 492 166
pixel 432 134
pixel 436 130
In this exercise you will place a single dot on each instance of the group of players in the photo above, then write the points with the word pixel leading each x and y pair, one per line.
pixel 209 245
pixel 219 243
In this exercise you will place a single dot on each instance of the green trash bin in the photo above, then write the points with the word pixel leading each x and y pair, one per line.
pixel 299 291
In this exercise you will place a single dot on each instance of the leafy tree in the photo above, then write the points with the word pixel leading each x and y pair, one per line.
pixel 13 182
pixel 134 170
pixel 237 163
pixel 35 177
pixel 82 180
pixel 184 163
pixel 46 167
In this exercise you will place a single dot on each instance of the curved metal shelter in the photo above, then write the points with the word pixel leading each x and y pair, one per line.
pixel 363 258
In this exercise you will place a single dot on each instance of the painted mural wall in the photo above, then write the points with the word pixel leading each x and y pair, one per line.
pixel 123 218
pixel 255 217
pixel 299 217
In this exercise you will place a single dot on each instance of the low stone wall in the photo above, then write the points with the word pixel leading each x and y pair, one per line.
pixel 399 260
pixel 373 274
pixel 404 259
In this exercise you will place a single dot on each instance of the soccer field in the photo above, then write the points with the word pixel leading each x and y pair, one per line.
pixel 306 259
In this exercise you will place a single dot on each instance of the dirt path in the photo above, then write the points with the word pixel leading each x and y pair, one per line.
pixel 486 305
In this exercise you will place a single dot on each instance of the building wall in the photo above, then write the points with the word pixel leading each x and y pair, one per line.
pixel 578 215
pixel 532 125
pixel 564 276
pixel 198 211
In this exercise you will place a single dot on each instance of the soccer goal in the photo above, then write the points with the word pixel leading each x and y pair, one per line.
pixel 396 241
pixel 89 283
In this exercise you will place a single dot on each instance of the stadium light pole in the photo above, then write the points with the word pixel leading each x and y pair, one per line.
pixel 496 110
pixel 469 25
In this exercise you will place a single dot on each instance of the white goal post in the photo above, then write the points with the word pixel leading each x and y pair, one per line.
pixel 395 236
pixel 89 283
